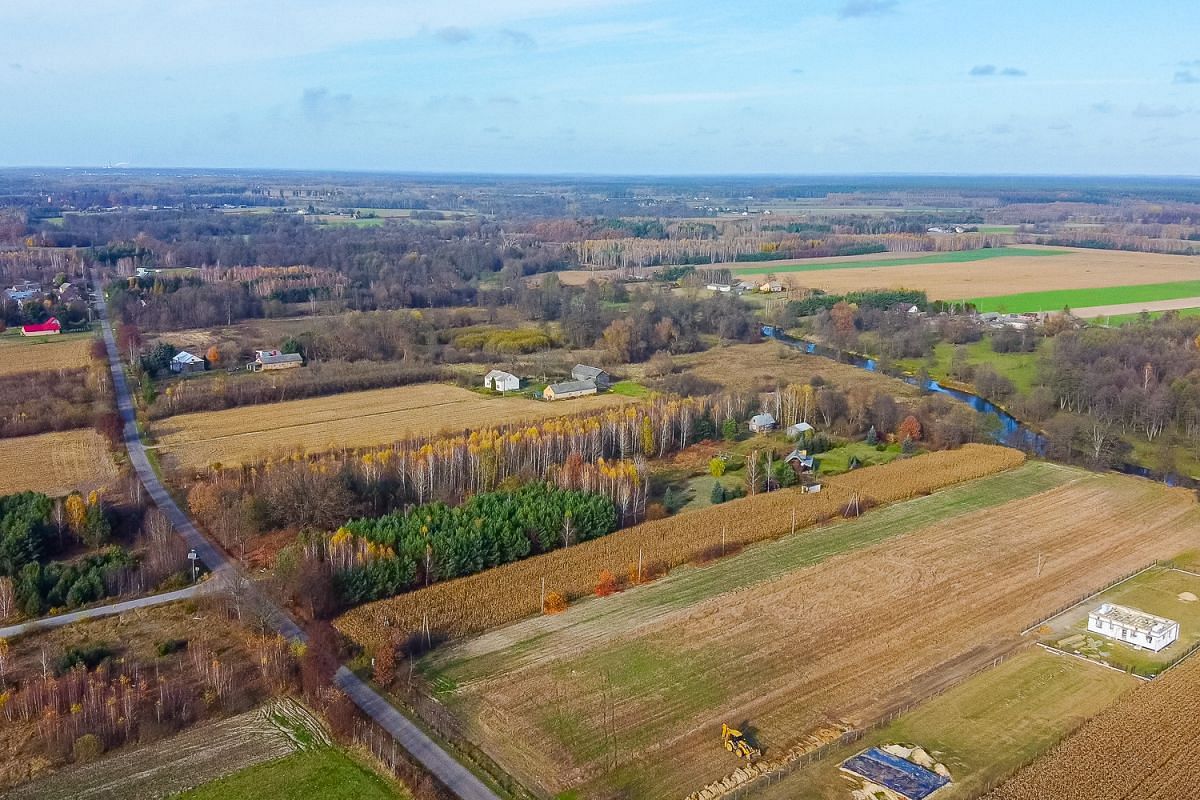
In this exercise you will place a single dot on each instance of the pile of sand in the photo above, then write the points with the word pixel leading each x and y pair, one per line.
pixel 1187 597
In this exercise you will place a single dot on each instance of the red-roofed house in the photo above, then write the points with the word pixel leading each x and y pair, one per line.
pixel 47 328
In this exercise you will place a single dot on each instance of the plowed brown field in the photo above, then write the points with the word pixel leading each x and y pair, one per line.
pixel 1077 268
pixel 1146 747
pixel 637 713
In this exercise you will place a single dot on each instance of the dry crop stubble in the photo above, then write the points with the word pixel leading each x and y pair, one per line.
pixel 508 593
pixel 837 644
pixel 1146 746
pixel 352 419
pixel 55 463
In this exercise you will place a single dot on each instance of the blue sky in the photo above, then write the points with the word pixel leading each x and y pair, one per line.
pixel 605 86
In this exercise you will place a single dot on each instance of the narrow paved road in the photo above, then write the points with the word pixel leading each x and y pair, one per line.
pixel 437 761
pixel 109 610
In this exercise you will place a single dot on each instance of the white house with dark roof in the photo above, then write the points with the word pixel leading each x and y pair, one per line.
pixel 273 359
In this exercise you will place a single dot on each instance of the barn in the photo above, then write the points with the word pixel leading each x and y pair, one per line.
pixel 568 389
pixel 501 381
pixel 1133 627
pixel 582 372
pixel 273 359
pixel 47 328
pixel 798 429
pixel 760 423
pixel 184 363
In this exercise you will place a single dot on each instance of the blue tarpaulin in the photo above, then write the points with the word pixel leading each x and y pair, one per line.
pixel 903 777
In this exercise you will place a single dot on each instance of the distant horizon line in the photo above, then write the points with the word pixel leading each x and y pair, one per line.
pixel 602 175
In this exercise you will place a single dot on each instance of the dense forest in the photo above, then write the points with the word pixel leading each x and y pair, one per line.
pixel 382 556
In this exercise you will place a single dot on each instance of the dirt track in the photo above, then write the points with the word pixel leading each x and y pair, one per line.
pixel 823 647
pixel 1137 308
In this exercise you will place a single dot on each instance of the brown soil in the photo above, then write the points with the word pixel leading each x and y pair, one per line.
pixel 836 644
pixel 1076 269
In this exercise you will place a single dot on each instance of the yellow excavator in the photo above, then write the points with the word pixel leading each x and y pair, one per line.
pixel 735 742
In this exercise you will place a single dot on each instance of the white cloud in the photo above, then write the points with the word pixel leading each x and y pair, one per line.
pixel 156 34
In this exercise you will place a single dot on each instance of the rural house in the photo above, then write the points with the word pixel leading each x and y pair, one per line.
pixel 184 363
pixel 568 389
pixel 273 359
pixel 720 288
pixel 1133 627
pixel 502 381
pixel 771 286
pixel 800 461
pixel 25 290
pixel 760 423
pixel 47 328
pixel 582 372
pixel 798 429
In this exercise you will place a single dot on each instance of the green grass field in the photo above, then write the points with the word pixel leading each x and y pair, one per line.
pixel 955 257
pixel 1156 591
pixel 1124 319
pixel 685 586
pixel 1085 298
pixel 323 774
pixel 837 460
pixel 1020 368
pixel 983 729
pixel 629 389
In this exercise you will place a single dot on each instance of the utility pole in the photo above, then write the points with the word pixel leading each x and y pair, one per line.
pixel 639 573
pixel 1041 560
pixel 544 593
pixel 793 520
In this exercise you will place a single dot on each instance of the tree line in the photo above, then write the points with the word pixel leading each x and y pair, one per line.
pixel 382 556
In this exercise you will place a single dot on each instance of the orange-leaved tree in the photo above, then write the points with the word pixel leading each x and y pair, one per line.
pixel 606 584
pixel 910 429
pixel 556 603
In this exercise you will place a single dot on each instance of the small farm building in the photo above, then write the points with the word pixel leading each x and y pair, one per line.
pixel 184 363
pixel 20 292
pixel 1133 627
pixel 745 286
pixel 771 286
pixel 582 372
pixel 47 328
pixel 568 389
pixel 722 288
pixel 800 461
pixel 798 430
pixel 273 359
pixel 762 422
pixel 502 381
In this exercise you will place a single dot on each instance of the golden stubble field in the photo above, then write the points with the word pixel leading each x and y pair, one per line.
pixel 1146 746
pixel 55 463
pixel 352 419
pixel 821 649
pixel 1077 268
pixel 762 366
pixel 19 354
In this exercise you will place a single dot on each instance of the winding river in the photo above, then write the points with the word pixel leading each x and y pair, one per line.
pixel 1010 430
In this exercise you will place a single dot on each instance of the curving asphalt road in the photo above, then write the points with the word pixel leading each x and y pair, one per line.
pixel 424 750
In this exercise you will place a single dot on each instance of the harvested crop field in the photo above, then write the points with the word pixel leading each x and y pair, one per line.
pixel 55 463
pixel 203 753
pixel 65 351
pixel 1146 746
pixel 982 730
pixel 353 419
pixel 1073 268
pixel 760 366
pixel 631 709
pixel 507 593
